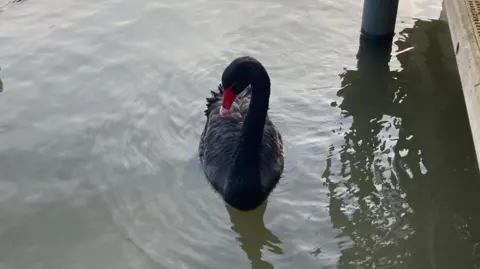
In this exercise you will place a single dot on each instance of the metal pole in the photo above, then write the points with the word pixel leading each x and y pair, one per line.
pixel 378 19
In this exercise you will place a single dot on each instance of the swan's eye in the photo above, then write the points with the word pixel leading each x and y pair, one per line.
pixel 227 85
pixel 237 88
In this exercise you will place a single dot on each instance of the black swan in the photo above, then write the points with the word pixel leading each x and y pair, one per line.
pixel 240 149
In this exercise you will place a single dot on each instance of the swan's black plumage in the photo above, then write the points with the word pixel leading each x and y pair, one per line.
pixel 242 152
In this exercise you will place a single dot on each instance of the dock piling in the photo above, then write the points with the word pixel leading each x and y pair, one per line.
pixel 378 19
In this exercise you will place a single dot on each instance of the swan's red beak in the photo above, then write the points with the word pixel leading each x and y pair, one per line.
pixel 228 99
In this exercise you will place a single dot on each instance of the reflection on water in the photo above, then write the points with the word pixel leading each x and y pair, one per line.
pixel 253 236
pixel 405 182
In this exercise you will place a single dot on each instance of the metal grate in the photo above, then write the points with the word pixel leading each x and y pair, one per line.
pixel 474 10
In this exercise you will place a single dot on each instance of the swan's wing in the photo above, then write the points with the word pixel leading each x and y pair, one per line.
pixel 217 146
pixel 271 157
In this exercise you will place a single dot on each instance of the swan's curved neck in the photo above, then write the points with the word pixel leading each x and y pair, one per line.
pixel 246 160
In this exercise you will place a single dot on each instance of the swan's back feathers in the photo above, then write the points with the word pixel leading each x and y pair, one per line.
pixel 218 143
pixel 216 96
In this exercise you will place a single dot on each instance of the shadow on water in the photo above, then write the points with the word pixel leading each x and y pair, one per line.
pixel 253 235
pixel 403 186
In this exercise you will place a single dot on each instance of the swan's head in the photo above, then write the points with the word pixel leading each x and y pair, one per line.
pixel 237 77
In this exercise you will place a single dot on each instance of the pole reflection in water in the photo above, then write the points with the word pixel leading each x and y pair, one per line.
pixel 253 235
pixel 1 84
pixel 403 186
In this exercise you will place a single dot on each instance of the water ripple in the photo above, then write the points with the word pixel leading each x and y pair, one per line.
pixel 100 121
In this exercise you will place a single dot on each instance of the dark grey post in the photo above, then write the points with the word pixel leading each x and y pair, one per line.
pixel 378 19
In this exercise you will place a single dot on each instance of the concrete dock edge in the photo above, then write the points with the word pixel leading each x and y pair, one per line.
pixel 464 22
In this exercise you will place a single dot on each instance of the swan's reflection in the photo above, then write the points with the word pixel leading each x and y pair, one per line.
pixel 253 235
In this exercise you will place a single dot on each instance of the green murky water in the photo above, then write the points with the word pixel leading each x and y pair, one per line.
pixel 101 112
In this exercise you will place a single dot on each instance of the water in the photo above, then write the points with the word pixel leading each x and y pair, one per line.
pixel 102 108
